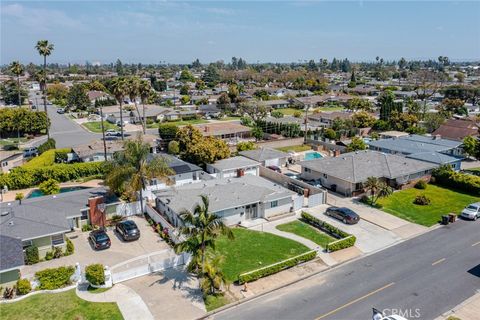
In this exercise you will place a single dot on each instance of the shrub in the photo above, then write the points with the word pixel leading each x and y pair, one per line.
pixel 95 274
pixel 277 267
pixel 87 227
pixel 49 255
pixel 54 278
pixel 173 147
pixel 421 184
pixel 70 249
pixel 61 156
pixel 445 176
pixel 116 218
pixel 422 200
pixel 9 293
pixel 23 286
pixel 19 197
pixel 57 253
pixel 47 145
pixel 341 244
pixel 31 255
pixel 246 145
pixel 51 186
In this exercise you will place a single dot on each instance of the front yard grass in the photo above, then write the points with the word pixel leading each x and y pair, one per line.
pixel 306 231
pixel 96 126
pixel 443 201
pixel 251 250
pixel 214 301
pixel 64 305
pixel 298 148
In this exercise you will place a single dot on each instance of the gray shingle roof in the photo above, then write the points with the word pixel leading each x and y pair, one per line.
pixel 434 157
pixel 176 164
pixel 263 154
pixel 234 163
pixel 11 253
pixel 415 144
pixel 358 166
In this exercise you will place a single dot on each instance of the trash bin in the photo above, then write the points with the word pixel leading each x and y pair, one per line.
pixel 452 217
pixel 445 220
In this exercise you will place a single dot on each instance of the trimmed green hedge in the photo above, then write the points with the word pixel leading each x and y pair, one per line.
pixel 95 274
pixel 277 267
pixel 21 178
pixel 346 240
pixel 54 278
pixel 457 181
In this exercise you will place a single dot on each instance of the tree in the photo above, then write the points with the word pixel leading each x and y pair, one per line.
pixel 432 121
pixel 173 147
pixel 17 69
pixel 119 88
pixel 257 133
pixel 254 110
pixel 212 278
pixel 363 119
pixel 201 228
pixel 233 92
pixel 45 49
pixel 223 100
pixel 297 114
pixel 453 106
pixel 377 188
pixel 133 89
pixel 186 76
pixel 119 67
pixel 356 145
pixel 57 92
pixel 330 134
pixel 10 93
pixel 276 114
pixel 246 145
pixel 401 121
pixel 77 98
pixel 388 105
pixel 471 146
pixel 50 186
pixel 144 90
pixel 356 104
pixel 211 76
pixel 130 171
pixel 427 83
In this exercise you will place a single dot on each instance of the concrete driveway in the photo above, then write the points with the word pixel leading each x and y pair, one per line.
pixel 118 252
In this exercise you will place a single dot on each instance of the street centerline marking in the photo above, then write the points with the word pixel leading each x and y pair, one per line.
pixel 355 301
pixel 473 245
pixel 438 261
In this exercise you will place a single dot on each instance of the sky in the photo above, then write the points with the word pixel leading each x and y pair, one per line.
pixel 260 31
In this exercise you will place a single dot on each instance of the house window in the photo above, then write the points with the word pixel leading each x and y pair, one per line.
pixel 27 243
pixel 84 215
pixel 57 239
pixel 308 170
pixel 274 204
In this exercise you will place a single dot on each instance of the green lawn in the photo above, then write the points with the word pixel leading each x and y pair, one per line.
pixel 65 305
pixel 12 141
pixel 96 126
pixel 187 122
pixel 306 231
pixel 443 201
pixel 45 159
pixel 289 111
pixel 298 148
pixel 213 302
pixel 97 290
pixel 330 109
pixel 230 118
pixel 252 250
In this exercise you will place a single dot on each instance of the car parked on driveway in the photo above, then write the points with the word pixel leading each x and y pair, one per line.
pixel 128 230
pixel 345 215
pixel 471 211
pixel 275 168
pixel 99 239
pixel 112 133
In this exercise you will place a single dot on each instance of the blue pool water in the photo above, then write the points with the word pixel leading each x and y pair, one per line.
pixel 37 193
pixel 312 155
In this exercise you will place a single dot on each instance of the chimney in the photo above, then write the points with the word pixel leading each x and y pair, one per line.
pixel 437 137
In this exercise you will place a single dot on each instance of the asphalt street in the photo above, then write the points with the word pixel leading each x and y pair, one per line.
pixel 421 278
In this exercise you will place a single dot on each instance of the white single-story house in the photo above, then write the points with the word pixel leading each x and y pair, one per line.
pixel 267 157
pixel 233 167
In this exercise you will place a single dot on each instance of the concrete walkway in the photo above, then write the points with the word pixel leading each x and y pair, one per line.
pixel 129 302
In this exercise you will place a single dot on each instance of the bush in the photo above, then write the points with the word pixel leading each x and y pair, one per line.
pixel 49 255
pixel 173 147
pixel 341 244
pixel 54 278
pixel 116 218
pixel 31 255
pixel 51 186
pixel 422 200
pixel 23 287
pixel 448 178
pixel 274 268
pixel 245 145
pixel 87 227
pixel 95 274
pixel 57 253
pixel 421 184
pixel 61 156
pixel 47 145
pixel 22 178
pixel 70 249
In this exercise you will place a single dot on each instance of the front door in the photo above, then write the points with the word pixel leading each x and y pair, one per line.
pixel 251 211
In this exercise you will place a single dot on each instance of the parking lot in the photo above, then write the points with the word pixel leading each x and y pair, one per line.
pixel 118 252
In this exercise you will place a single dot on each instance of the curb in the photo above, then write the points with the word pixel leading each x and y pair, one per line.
pixel 444 315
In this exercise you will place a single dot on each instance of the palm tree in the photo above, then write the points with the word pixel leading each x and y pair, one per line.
pixel 17 69
pixel 133 92
pixel 45 49
pixel 145 89
pixel 377 188
pixel 119 88
pixel 213 278
pixel 131 170
pixel 201 229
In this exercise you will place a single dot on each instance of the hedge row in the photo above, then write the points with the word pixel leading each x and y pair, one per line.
pixel 457 181
pixel 346 240
pixel 277 267
pixel 54 278
pixel 21 178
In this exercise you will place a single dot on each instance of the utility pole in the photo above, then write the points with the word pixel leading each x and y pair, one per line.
pixel 306 125
pixel 103 133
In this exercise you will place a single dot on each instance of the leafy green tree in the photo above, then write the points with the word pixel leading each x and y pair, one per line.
pixel 297 114
pixel 401 121
pixel 18 121
pixel 257 133
pixel 186 76
pixel 388 105
pixel 432 121
pixel 57 92
pixel 130 171
pixel 17 69
pixel 276 114
pixel 223 100
pixel 133 90
pixel 173 147
pixel 246 145
pixel 212 278
pixel 357 104
pixel 330 134
pixel 10 93
pixel 44 48
pixel 77 98
pixel 453 106
pixel 356 145
pixel 363 119
pixel 185 99
pixel 211 76
pixel 233 92
pixel 50 186
pixel 377 189
pixel 201 228
pixel 471 147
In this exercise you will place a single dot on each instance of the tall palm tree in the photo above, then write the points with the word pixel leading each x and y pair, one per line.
pixel 130 170
pixel 377 188
pixel 45 49
pixel 201 229
pixel 145 89
pixel 17 69
pixel 119 88
pixel 133 92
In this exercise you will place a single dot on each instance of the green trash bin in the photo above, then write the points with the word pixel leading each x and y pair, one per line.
pixel 445 219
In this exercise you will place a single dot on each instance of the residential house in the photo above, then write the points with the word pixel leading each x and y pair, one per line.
pixel 11 253
pixel 237 200
pixel 347 173
pixel 10 160
pixel 325 119
pixel 458 129
pixel 267 157
pixel 233 167
pixel 209 110
pixel 231 132
pixel 275 104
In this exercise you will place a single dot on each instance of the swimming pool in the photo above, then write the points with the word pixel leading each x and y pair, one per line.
pixel 312 155
pixel 37 193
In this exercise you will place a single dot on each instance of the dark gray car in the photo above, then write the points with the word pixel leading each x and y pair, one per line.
pixel 128 230
pixel 345 215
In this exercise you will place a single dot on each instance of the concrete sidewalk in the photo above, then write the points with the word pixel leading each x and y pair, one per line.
pixel 468 310
pixel 129 302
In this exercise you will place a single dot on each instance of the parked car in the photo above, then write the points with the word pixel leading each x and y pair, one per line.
pixel 471 211
pixel 112 133
pixel 30 152
pixel 292 175
pixel 99 239
pixel 345 215
pixel 128 230
pixel 275 168
pixel 60 111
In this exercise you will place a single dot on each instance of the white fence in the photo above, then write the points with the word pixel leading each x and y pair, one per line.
pixel 143 265
pixel 127 209
pixel 157 217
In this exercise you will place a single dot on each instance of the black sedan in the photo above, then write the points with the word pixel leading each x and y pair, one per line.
pixel 345 215
pixel 128 230
pixel 99 239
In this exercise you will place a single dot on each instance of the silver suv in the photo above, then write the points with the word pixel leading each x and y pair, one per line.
pixel 471 211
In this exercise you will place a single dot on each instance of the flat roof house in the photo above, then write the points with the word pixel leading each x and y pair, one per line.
pixel 231 132
pixel 233 167
pixel 237 200
pixel 267 157
pixel 346 173
pixel 10 160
